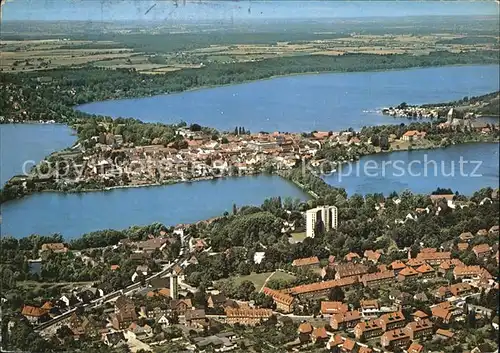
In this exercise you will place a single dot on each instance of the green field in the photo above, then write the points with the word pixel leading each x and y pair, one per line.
pixel 298 237
pixel 258 279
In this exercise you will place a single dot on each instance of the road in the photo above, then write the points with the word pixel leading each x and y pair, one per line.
pixel 113 295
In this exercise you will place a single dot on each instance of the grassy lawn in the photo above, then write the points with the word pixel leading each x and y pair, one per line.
pixel 298 237
pixel 257 279
pixel 279 275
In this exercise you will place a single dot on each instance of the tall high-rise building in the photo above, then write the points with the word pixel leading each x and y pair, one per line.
pixel 174 290
pixel 327 214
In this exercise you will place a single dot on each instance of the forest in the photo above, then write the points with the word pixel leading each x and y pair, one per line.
pixel 52 94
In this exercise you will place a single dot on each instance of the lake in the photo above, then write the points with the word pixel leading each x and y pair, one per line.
pixel 333 101
pixel 29 142
pixel 423 176
pixel 75 214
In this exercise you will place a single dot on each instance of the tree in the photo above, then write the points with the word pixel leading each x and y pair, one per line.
pixel 195 127
pixel 245 289
pixel 235 209
pixel 336 294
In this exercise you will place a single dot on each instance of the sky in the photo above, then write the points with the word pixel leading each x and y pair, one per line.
pixel 192 10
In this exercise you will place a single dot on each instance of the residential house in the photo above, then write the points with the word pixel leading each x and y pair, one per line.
pixel 494 231
pixel 395 338
pixel 377 278
pixel 34 314
pixel 425 271
pixel 415 348
pixel 368 329
pixel 352 256
pixel 482 251
pixel 414 263
pixel 124 314
pixel 180 306
pixel 461 289
pixel 305 330
pixel 470 272
pixel 345 320
pixel 482 232
pixel 462 246
pixel 83 325
pixel 350 269
pixel 413 135
pixel 319 334
pixel 333 307
pixel 140 332
pixel 407 273
pixel 162 320
pixel 397 266
pixel 372 256
pixel 150 245
pixel 442 293
pixel 369 308
pixel 466 236
pixel 442 312
pixel 115 339
pixel 321 289
pixel 54 247
pixel 392 321
pixel 419 329
pixel 419 315
pixel 434 258
pixel 349 346
pixel 445 266
pixel 444 334
pixel 216 300
pixel 247 316
pixel 196 318
pixel 284 302
pixel 306 262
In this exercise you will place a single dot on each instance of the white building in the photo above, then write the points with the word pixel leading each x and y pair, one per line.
pixel 327 214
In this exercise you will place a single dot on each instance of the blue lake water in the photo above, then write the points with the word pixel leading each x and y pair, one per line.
pixel 334 101
pixel 21 143
pixel 416 170
pixel 75 214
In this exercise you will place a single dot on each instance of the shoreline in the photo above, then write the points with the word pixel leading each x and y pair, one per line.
pixel 311 73
pixel 214 178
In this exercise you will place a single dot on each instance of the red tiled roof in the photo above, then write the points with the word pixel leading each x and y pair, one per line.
pixel 351 256
pixel 408 271
pixel 424 269
pixel 349 344
pixel 314 287
pixel 420 314
pixel 395 335
pixel 278 296
pixel 446 333
pixel 372 255
pixel 306 261
pixel 397 265
pixel 348 316
pixel 328 307
pixel 369 277
pixel 305 327
pixel 319 332
pixel 369 303
pixel 415 348
pixel 481 249
pixel 33 311
pixel 429 256
pixel 248 312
